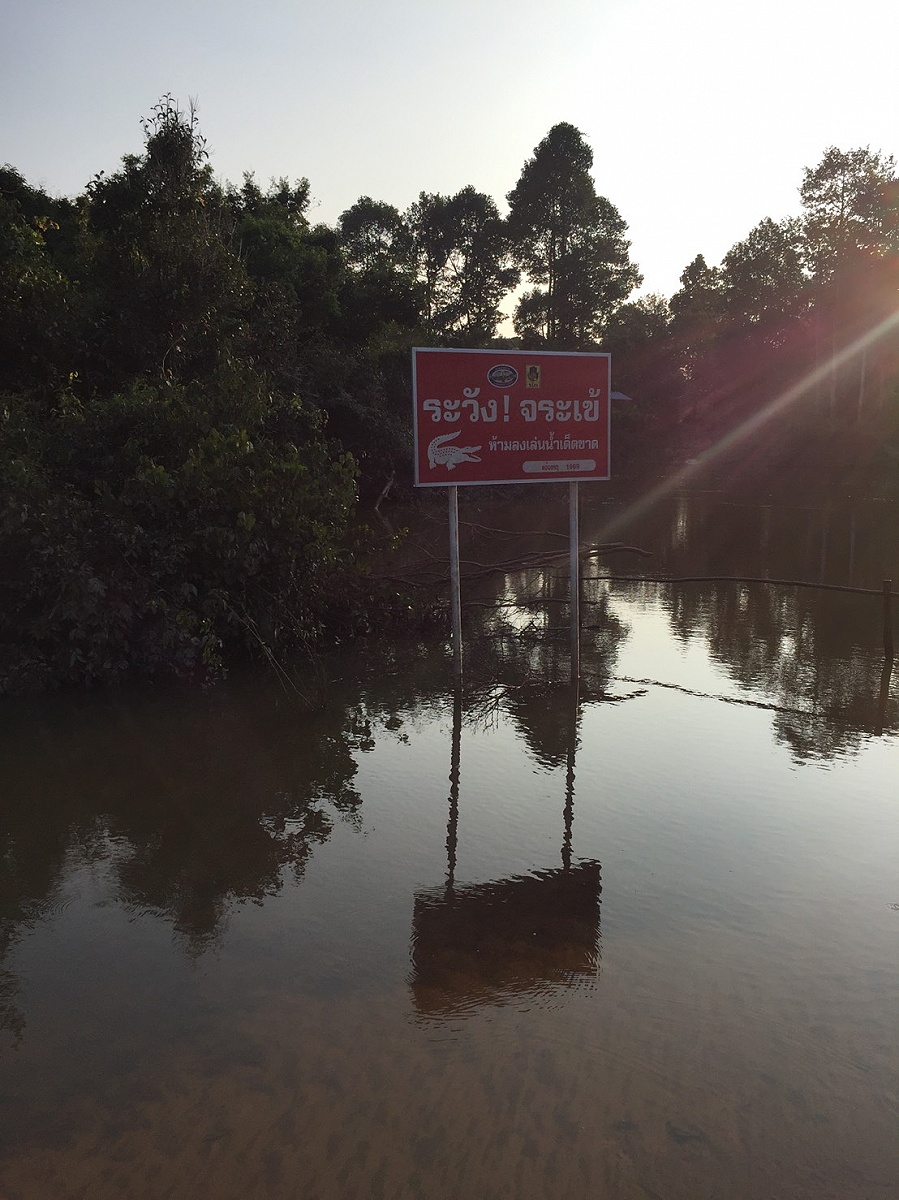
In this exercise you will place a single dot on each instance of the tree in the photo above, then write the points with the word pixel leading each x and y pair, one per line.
pixel 479 267
pixel 462 254
pixel 850 229
pixel 381 291
pixel 375 236
pixel 764 331
pixel 845 215
pixel 570 242
pixel 426 221
pixel 34 294
pixel 166 499
pixel 284 201
pixel 644 363
pixel 764 286
pixel 696 325
pixel 155 531
pixel 169 291
pixel 295 275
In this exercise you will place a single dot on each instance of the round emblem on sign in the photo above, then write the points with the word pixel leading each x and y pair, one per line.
pixel 502 375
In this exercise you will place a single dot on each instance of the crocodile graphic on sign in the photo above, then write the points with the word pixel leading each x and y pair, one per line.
pixel 450 456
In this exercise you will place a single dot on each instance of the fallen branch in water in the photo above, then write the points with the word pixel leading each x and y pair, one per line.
pixel 417 574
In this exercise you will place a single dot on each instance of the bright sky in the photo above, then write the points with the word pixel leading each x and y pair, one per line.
pixel 701 113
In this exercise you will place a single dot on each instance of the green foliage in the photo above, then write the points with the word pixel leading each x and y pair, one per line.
pixel 166 293
pixel 157 531
pixel 167 502
pixel 466 265
pixel 375 237
pixel 34 294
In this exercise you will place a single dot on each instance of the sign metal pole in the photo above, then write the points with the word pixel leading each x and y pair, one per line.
pixel 455 587
pixel 574 570
pixel 452 826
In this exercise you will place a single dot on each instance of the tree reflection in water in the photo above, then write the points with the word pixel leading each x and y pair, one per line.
pixel 196 804
pixel 817 656
pixel 193 804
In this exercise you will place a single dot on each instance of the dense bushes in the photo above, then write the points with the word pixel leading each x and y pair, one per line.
pixel 162 528
pixel 166 500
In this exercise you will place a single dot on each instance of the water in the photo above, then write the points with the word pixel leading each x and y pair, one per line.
pixel 638 941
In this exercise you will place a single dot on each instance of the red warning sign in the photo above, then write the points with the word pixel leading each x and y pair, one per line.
pixel 510 416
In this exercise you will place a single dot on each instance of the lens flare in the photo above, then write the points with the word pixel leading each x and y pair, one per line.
pixel 748 427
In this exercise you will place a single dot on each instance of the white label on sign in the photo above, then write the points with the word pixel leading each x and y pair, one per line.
pixel 552 466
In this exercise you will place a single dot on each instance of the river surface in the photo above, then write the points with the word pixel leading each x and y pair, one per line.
pixel 638 938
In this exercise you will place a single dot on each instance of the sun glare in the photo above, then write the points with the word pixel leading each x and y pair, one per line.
pixel 747 427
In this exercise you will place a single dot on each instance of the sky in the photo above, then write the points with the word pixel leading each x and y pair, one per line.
pixel 701 114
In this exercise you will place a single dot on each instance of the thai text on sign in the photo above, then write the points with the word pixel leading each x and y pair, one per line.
pixel 510 416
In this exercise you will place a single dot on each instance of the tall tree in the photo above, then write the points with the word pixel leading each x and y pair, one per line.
pixel 169 288
pixel 296 273
pixel 35 296
pixel 479 271
pixel 762 339
pixel 570 242
pixel 764 286
pixel 381 291
pixel 375 236
pixel 462 255
pixel 696 325
pixel 850 228
pixel 847 211
pixel 427 223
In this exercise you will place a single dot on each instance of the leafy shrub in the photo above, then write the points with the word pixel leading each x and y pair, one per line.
pixel 160 530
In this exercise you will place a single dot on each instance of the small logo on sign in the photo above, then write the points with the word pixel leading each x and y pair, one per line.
pixel 502 375
pixel 532 377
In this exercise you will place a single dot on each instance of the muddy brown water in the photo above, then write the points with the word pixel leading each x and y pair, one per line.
pixel 636 941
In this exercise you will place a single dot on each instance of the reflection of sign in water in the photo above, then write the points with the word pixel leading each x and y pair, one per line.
pixel 487 943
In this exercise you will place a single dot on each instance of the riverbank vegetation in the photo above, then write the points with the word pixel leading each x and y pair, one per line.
pixel 198 383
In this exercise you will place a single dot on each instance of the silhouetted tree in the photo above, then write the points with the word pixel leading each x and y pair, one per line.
pixel 571 244
pixel 477 270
